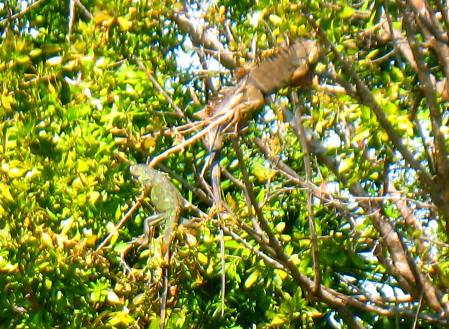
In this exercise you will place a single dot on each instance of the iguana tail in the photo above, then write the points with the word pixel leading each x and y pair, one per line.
pixel 164 297
pixel 215 177
pixel 216 193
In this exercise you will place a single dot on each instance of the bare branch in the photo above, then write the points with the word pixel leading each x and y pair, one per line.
pixel 257 252
pixel 83 9
pixel 125 218
pixel 202 36
pixel 402 266
pixel 305 283
pixel 71 19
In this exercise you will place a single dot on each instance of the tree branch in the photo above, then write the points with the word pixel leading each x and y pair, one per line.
pixel 201 36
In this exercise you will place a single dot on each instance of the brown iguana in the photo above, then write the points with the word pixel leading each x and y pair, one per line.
pixel 168 202
pixel 288 67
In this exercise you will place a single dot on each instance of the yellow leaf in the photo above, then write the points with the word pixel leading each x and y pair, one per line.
pixel 149 142
pixel 286 237
pixel 139 299
pixel 145 254
pixel 345 165
pixel 66 225
pixel 5 193
pixel 8 268
pixel 53 61
pixel 277 321
pixel 252 278
pixel 373 53
pixel 202 258
pixel 103 18
pixel 7 101
pixel 124 24
pixel 282 274
pixel 35 52
pixel 118 213
pixel 231 202
pixel 93 197
pixel 347 12
pixel 77 183
pixel 263 173
pixel 83 165
pixel 295 259
pixel 48 283
pixel 22 59
pixel 280 227
pixel 275 19
pixel 16 172
pixel 47 240
pixel 120 318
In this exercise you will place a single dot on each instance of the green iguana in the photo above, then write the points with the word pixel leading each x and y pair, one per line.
pixel 164 196
pixel 168 202
pixel 288 67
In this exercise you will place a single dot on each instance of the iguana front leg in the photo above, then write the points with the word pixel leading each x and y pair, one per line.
pixel 253 99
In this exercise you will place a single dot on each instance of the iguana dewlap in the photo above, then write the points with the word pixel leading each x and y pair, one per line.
pixel 164 196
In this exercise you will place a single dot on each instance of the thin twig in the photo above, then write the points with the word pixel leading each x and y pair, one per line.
pixel 267 259
pixel 201 36
pixel 222 119
pixel 415 320
pixel 23 12
pixel 160 89
pixel 83 9
pixel 122 222
pixel 368 99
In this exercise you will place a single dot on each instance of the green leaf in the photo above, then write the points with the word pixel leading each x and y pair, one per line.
pixel 346 12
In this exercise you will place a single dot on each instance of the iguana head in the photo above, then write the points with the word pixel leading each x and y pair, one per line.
pixel 142 173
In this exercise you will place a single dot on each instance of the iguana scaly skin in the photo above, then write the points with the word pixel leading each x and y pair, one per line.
pixel 168 202
pixel 164 196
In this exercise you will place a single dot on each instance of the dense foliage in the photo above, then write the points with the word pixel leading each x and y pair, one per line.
pixel 336 193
